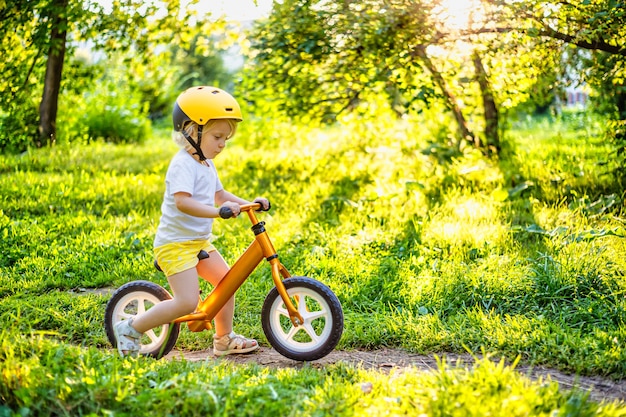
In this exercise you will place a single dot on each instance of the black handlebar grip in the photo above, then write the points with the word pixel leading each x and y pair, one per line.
pixel 226 212
pixel 269 205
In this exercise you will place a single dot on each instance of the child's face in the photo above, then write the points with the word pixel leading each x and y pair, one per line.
pixel 214 138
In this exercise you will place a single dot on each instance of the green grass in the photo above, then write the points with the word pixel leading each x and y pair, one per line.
pixel 43 377
pixel 520 257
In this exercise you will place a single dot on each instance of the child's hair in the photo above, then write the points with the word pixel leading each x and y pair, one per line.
pixel 191 128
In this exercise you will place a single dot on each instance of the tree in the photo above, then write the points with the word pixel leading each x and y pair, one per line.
pixel 589 37
pixel 41 29
pixel 40 34
pixel 54 71
pixel 320 59
pixel 490 108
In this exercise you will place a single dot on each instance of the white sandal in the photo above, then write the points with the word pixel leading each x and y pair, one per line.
pixel 233 343
pixel 127 338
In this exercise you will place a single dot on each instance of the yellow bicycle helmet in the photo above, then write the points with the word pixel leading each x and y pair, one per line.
pixel 201 104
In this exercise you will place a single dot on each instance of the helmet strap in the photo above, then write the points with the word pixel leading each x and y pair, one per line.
pixel 196 145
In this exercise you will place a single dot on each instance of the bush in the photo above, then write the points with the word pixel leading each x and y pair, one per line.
pixel 18 127
pixel 116 115
pixel 616 135
pixel 112 114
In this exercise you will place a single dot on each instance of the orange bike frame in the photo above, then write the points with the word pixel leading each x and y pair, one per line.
pixel 260 248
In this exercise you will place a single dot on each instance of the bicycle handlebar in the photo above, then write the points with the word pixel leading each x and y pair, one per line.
pixel 227 213
pixel 251 206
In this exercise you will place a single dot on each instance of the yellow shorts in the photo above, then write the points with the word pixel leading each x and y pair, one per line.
pixel 180 256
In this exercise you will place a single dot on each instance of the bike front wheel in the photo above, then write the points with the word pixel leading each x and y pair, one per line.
pixel 323 320
pixel 134 298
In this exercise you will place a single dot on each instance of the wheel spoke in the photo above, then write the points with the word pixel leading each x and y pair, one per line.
pixel 311 332
pixel 292 332
pixel 151 335
pixel 302 308
pixel 307 315
pixel 312 315
pixel 125 316
pixel 141 306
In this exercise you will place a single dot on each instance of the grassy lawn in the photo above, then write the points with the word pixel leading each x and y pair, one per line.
pixel 521 257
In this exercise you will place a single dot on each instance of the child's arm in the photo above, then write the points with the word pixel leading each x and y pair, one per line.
pixel 223 197
pixel 188 205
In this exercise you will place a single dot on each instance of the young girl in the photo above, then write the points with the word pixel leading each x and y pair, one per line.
pixel 204 119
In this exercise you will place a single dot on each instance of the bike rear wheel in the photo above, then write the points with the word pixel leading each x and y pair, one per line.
pixel 323 320
pixel 136 297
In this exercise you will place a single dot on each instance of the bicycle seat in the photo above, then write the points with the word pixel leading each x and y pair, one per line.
pixel 201 255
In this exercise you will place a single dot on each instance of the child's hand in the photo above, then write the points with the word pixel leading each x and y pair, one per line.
pixel 264 202
pixel 234 208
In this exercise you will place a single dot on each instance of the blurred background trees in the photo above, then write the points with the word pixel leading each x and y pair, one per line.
pixel 78 70
pixel 481 63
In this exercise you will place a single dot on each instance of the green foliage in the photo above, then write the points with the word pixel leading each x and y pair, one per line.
pixel 520 258
pixel 43 377
pixel 18 125
pixel 21 68
pixel 616 135
pixel 115 114
pixel 195 58
pixel 340 56
pixel 588 36
pixel 201 64
pixel 26 31
pixel 101 96
pixel 386 59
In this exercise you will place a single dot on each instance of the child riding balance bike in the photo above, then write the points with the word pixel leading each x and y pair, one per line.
pixel 301 317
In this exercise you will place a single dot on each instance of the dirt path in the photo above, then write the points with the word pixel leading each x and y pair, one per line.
pixel 387 359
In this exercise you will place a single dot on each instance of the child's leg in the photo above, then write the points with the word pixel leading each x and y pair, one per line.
pixel 213 269
pixel 225 341
pixel 185 290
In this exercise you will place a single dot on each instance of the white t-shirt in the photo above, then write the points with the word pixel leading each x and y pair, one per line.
pixel 185 174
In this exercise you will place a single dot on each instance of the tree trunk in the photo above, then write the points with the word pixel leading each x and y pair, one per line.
pixel 620 102
pixel 464 131
pixel 54 70
pixel 489 105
